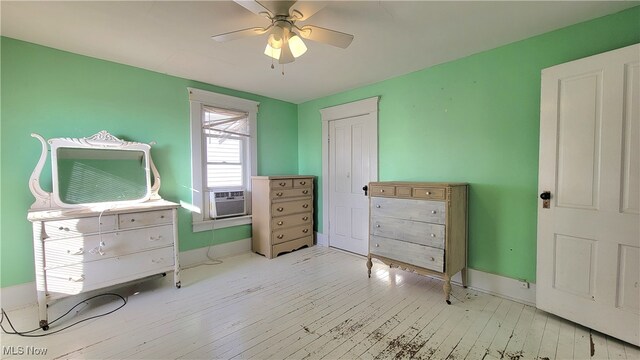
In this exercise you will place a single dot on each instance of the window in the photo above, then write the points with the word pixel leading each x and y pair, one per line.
pixel 225 133
pixel 223 145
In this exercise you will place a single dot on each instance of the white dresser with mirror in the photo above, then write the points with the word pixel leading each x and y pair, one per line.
pixel 104 223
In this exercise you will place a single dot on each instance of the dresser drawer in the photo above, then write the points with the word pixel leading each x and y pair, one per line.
pixel 302 183
pixel 409 209
pixel 406 252
pixel 134 220
pixel 92 275
pixel 284 235
pixel 281 184
pixel 428 193
pixel 407 230
pixel 282 222
pixel 382 190
pixel 291 207
pixel 75 227
pixel 69 251
pixel 286 193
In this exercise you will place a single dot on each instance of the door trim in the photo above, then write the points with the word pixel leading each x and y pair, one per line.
pixel 339 112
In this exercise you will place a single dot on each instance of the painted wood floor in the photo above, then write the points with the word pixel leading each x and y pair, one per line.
pixel 315 303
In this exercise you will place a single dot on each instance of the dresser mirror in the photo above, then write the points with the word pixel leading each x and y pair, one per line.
pixel 94 171
pixel 88 176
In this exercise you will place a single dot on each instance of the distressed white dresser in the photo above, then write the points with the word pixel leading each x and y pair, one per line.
pixel 78 250
pixel 282 213
pixel 420 227
pixel 104 223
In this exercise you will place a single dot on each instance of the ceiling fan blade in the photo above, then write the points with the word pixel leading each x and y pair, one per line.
pixel 302 10
pixel 234 35
pixel 326 36
pixel 285 55
pixel 255 7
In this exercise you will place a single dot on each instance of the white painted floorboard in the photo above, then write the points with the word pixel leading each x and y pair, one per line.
pixel 314 303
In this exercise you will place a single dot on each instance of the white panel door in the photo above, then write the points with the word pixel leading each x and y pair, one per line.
pixel 589 236
pixel 351 153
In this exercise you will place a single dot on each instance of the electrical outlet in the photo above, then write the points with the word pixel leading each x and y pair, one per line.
pixel 524 284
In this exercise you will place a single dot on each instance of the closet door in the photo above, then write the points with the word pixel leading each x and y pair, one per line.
pixel 589 228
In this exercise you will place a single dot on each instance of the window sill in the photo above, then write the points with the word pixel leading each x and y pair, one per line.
pixel 207 225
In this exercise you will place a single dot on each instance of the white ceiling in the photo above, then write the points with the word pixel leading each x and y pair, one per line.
pixel 391 37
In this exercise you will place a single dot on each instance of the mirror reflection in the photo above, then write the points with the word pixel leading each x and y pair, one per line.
pixel 101 175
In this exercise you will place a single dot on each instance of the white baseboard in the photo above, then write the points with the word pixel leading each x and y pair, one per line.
pixel 321 240
pixel 198 256
pixel 499 285
pixel 18 296
pixel 23 295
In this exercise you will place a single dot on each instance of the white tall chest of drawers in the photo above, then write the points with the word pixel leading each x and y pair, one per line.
pixel 282 213
pixel 421 227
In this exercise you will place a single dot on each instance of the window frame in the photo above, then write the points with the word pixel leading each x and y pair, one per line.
pixel 198 99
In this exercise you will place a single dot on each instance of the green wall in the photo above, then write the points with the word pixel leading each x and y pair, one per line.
pixel 59 94
pixel 474 120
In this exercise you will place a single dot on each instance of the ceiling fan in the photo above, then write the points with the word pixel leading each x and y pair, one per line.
pixel 284 43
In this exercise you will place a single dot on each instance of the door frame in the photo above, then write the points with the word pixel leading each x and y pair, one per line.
pixel 340 112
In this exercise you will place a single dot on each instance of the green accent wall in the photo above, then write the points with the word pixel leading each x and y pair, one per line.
pixel 474 120
pixel 60 94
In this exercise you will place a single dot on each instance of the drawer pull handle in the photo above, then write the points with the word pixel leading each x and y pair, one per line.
pixel 433 235
pixel 161 216
pixel 377 245
pixel 305 206
pixel 378 206
pixel 381 190
pixel 77 279
pixel 133 220
pixel 155 238
pixel 303 182
pixel 282 183
pixel 157 261
pixel 280 223
pixel 63 228
pixel 433 211
pixel 280 209
pixel 428 192
pixel 305 191
pixel 80 251
pixel 433 259
pixel 305 218
pixel 377 225
pixel 278 194
pixel 280 236
pixel 305 231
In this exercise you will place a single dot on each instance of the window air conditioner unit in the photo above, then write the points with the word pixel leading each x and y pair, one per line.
pixel 226 203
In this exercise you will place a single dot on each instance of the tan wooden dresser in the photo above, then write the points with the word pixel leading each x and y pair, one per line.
pixel 421 227
pixel 282 213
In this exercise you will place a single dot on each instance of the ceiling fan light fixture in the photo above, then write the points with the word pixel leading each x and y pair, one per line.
pixel 276 37
pixel 296 45
pixel 271 52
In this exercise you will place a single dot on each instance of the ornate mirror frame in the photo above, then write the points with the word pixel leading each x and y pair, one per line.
pixel 102 140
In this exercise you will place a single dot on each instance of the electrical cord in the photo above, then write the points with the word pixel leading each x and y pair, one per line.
pixel 28 333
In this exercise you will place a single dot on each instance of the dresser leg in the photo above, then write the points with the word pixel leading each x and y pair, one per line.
pixel 447 288
pixel 463 273
pixel 369 266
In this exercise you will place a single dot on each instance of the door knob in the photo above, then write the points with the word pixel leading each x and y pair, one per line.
pixel 365 188
pixel 546 196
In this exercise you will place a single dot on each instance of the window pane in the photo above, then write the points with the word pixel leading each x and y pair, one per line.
pixel 224 175
pixel 229 151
